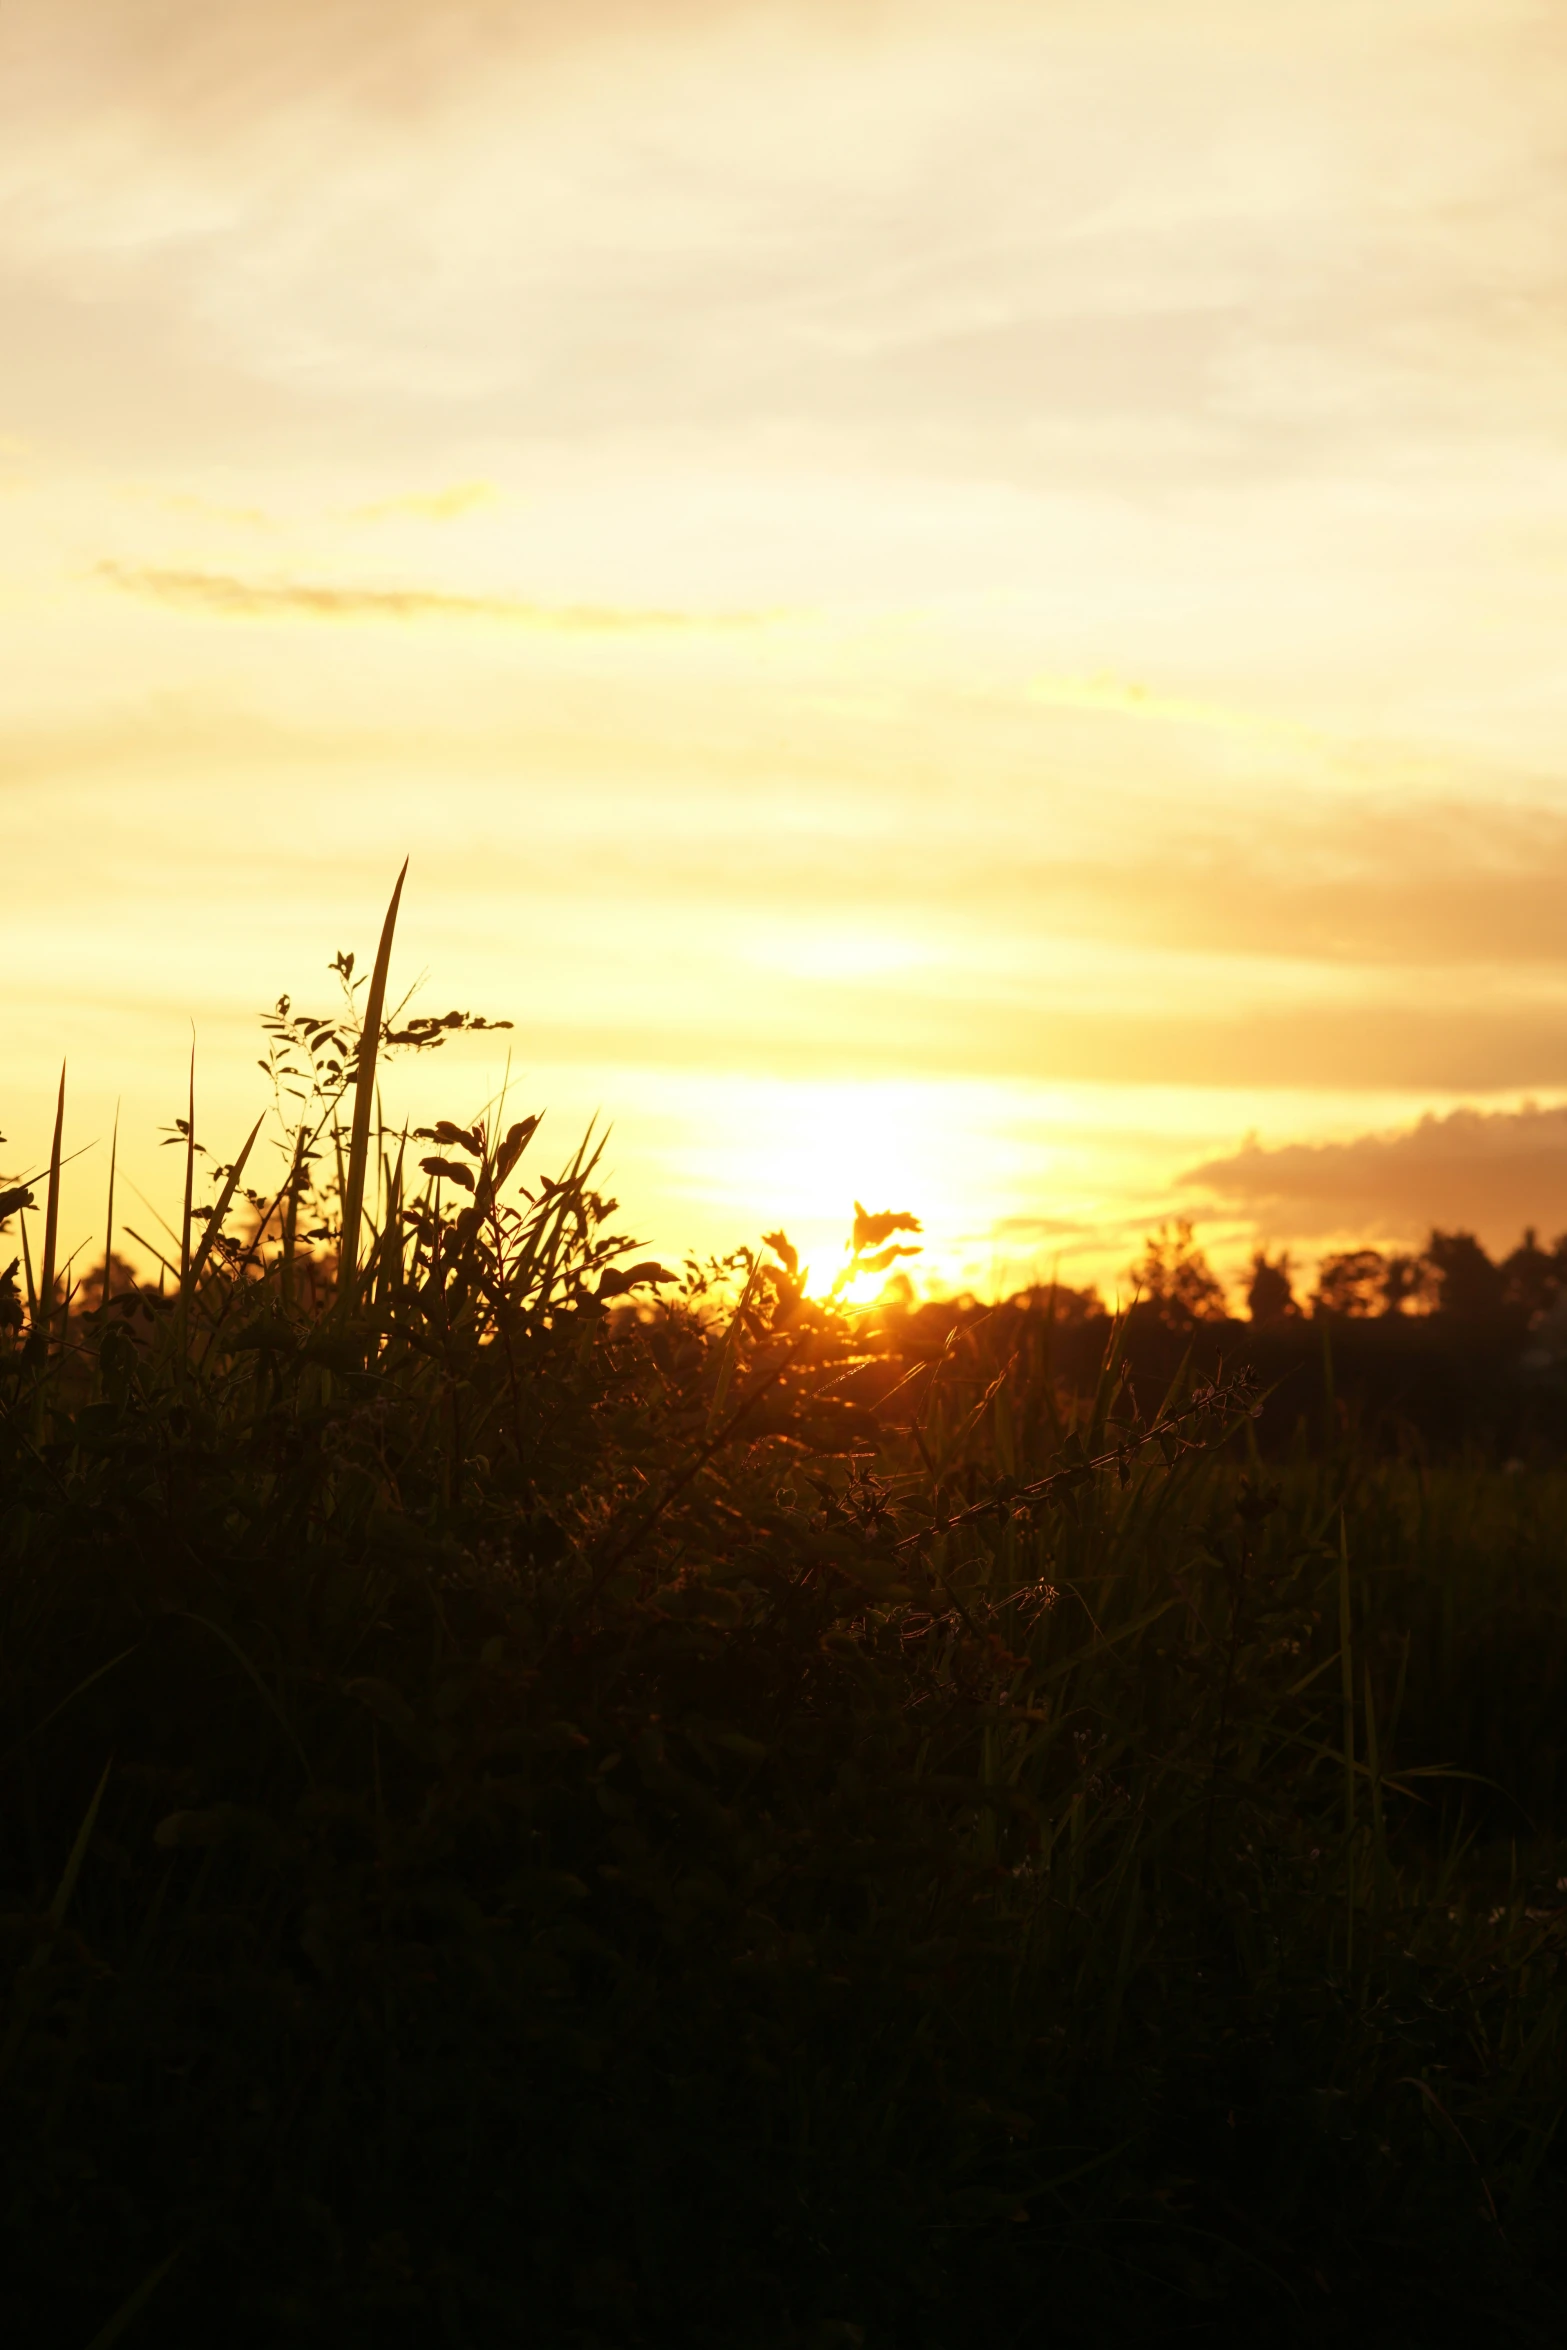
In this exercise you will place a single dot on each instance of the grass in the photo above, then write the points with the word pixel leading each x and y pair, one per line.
pixel 546 1802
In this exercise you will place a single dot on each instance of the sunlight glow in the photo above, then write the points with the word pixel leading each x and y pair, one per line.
pixel 953 610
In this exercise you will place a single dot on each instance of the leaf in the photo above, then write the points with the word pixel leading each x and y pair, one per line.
pixel 453 1170
pixel 871 1230
pixel 468 1138
pixel 886 1257
pixel 517 1140
pixel 615 1281
pixel 784 1250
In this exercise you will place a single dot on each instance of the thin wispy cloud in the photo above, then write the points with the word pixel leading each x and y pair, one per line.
pixel 227 597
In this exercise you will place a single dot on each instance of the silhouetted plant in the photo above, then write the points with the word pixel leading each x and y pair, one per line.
pixel 1352 1283
pixel 1533 1278
pixel 1467 1282
pixel 549 1800
pixel 1173 1279
pixel 1270 1295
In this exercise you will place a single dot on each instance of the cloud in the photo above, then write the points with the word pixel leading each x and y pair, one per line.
pixel 1423 882
pixel 210 71
pixel 1123 243
pixel 1492 1172
pixel 1445 920
pixel 229 598
pixel 463 497
pixel 1123 698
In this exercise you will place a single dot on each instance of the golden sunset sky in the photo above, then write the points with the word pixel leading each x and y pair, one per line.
pixel 955 604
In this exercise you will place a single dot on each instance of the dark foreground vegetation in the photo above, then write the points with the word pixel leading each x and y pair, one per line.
pixel 1430 1386
pixel 547 1804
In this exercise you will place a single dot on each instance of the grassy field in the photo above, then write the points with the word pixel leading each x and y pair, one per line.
pixel 544 1802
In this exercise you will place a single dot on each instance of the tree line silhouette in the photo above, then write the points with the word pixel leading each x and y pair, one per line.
pixel 1444 1346
pixel 1453 1276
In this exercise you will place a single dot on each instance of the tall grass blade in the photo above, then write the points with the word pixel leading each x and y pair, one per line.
pixel 44 1307
pixel 215 1221
pixel 108 1221
pixel 190 1176
pixel 296 1177
pixel 134 2303
pixel 364 1102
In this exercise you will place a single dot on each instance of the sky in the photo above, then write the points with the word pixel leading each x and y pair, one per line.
pixel 953 605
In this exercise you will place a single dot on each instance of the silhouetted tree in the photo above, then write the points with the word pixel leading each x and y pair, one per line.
pixel 1406 1281
pixel 88 1294
pixel 1058 1303
pixel 1353 1283
pixel 1532 1276
pixel 1470 1285
pixel 1175 1280
pixel 1269 1297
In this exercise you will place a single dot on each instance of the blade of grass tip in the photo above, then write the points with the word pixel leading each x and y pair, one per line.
pixel 382 1170
pixel 190 1173
pixel 1107 1382
pixel 291 1221
pixel 342 1186
pixel 727 1352
pixel 215 1221
pixel 153 1211
pixel 153 1251
pixel 364 1099
pixel 1177 1386
pixel 27 1272
pixel 182 1294
pixel 108 1235
pixel 69 1286
pixel 390 1238
pixel 45 1303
